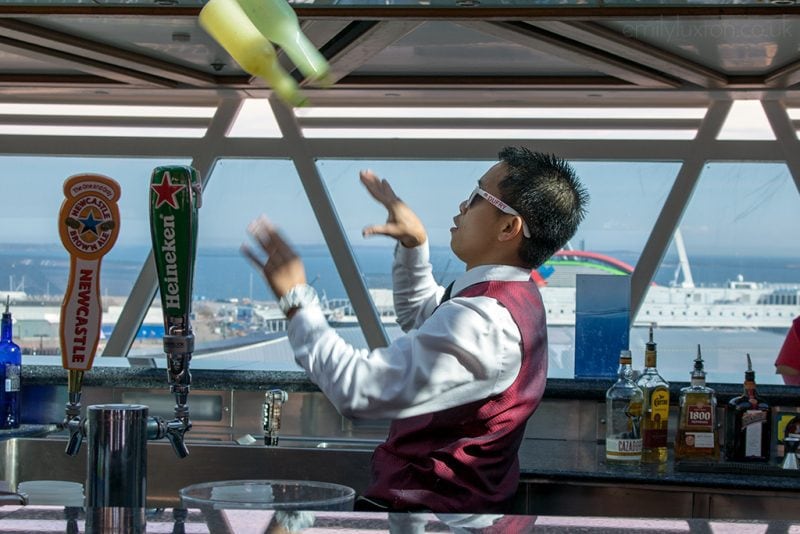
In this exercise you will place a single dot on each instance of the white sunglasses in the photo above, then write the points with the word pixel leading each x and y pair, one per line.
pixel 499 204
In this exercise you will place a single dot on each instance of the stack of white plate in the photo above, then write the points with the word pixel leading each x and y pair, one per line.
pixel 52 492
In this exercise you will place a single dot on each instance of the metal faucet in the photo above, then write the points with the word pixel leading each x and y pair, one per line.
pixel 74 423
pixel 273 403
pixel 179 348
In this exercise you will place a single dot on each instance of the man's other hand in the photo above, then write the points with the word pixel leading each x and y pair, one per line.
pixel 401 223
pixel 282 268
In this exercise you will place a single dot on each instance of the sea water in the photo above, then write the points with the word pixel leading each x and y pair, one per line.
pixel 223 274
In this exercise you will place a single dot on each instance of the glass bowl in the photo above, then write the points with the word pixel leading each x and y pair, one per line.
pixel 268 495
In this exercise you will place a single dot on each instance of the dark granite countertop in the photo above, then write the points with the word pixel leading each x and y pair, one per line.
pixel 577 461
pixel 146 378
pixel 122 375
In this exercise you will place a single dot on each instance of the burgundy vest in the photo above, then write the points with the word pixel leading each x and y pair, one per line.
pixel 464 459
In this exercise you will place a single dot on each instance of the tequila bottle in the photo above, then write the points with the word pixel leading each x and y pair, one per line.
pixel 656 407
pixel 696 438
pixel 623 415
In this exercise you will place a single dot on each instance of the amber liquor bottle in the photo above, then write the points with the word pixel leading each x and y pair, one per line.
pixel 696 438
pixel 748 423
pixel 655 420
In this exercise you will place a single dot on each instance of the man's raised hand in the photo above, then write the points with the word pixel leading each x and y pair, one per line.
pixel 401 222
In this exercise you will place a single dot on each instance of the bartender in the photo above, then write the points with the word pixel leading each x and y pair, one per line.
pixel 470 369
pixel 788 362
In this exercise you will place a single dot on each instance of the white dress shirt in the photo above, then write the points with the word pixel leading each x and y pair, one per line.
pixel 469 350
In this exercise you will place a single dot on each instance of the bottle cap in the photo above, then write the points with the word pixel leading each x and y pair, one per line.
pixel 650 345
pixel 7 314
pixel 698 371
pixel 749 375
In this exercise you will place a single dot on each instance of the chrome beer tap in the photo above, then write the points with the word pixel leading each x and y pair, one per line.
pixel 88 224
pixel 175 196
pixel 273 404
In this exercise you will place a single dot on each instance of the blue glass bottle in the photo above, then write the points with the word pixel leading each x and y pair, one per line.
pixel 10 367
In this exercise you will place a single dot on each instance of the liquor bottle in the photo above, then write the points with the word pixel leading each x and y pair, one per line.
pixel 228 24
pixel 10 364
pixel 696 438
pixel 623 415
pixel 277 21
pixel 656 407
pixel 748 424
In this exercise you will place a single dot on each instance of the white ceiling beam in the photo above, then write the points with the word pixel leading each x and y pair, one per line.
pixel 107 121
pixel 505 122
pixel 368 147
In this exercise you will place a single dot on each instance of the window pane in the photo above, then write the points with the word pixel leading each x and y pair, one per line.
pixel 626 198
pixel 742 255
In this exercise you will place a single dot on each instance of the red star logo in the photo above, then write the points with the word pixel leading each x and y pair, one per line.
pixel 166 191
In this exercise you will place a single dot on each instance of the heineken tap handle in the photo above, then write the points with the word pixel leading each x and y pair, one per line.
pixel 88 224
pixel 175 196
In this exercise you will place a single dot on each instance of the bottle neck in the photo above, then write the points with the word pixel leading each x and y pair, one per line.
pixel 625 371
pixel 698 381
pixel 750 388
pixel 649 359
pixel 5 329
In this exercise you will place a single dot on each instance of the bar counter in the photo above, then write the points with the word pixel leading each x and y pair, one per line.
pixel 60 519
pixel 562 459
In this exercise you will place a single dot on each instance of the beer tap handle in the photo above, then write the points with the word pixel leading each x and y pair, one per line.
pixel 273 405
pixel 175 196
pixel 88 224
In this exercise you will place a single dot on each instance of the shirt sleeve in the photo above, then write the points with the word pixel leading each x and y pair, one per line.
pixel 416 293
pixel 469 350
pixel 790 351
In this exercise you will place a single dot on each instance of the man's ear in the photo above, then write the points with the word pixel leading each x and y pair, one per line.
pixel 511 228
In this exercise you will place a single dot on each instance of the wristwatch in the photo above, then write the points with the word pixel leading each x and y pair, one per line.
pixel 300 296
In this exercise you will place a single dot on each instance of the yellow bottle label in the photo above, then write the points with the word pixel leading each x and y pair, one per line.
pixel 659 404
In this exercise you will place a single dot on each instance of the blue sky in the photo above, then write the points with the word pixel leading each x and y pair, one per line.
pixel 744 209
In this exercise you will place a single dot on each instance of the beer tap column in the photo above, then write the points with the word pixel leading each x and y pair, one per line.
pixel 175 196
pixel 88 223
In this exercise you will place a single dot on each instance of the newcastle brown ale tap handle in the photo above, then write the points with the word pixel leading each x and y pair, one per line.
pixel 88 224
